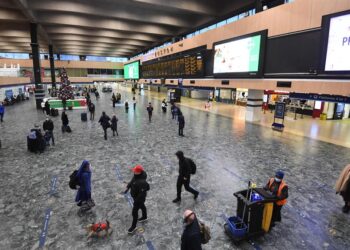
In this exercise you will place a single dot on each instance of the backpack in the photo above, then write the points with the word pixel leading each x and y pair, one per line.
pixel 192 165
pixel 73 180
pixel 205 232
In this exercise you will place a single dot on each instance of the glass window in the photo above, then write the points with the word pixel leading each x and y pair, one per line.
pixel 14 55
pixel 222 23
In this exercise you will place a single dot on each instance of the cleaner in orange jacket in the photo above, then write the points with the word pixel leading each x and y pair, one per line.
pixel 279 188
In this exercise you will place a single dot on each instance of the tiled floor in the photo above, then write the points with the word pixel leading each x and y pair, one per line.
pixel 227 151
pixel 332 131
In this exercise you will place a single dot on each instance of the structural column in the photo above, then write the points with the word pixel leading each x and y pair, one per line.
pixel 258 6
pixel 52 67
pixel 39 90
pixel 254 103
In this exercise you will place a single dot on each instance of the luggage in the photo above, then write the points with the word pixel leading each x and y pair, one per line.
pixel 68 129
pixel 54 112
pixel 73 180
pixel 83 117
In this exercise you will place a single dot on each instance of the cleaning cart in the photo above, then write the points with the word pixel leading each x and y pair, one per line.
pixel 254 213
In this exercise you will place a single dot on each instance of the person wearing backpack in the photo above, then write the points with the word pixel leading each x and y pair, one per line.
pixel 186 168
pixel 138 190
pixel 191 236
pixel 83 179
pixel 104 121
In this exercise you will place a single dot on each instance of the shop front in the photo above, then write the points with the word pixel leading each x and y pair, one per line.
pixel 330 107
pixel 241 97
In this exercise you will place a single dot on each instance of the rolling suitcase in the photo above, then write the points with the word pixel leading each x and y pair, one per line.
pixel 83 117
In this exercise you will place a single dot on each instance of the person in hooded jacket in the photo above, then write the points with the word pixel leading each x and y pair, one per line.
pixel 104 121
pixel 184 177
pixel 84 179
pixel 138 189
pixel 2 111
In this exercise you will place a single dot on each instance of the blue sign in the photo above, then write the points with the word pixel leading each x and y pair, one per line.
pixel 9 93
pixel 45 228
pixel 279 110
pixel 317 97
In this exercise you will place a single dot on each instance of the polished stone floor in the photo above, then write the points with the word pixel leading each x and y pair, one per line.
pixel 227 151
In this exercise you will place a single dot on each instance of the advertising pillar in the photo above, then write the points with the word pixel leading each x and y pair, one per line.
pixel 254 103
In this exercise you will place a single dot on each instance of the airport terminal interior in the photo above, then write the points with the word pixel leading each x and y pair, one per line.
pixel 255 92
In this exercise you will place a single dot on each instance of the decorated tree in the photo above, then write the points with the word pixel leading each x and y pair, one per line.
pixel 66 91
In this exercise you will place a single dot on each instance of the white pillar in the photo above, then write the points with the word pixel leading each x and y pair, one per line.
pixel 254 102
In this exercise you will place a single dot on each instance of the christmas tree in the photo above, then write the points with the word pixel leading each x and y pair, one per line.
pixel 66 91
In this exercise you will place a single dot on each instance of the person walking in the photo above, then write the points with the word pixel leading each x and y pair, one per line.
pixel 83 195
pixel 173 110
pixel 114 100
pixel 138 189
pixel 134 102
pixel 114 125
pixel 92 111
pixel 65 121
pixel 191 236
pixel 2 111
pixel 164 105
pixel 184 178
pixel 104 121
pixel 49 126
pixel 126 106
pixel 181 121
pixel 150 111
pixel 279 188
pixel 342 187
pixel 47 107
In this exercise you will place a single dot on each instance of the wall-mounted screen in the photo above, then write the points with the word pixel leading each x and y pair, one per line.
pixel 240 56
pixel 131 70
pixel 337 35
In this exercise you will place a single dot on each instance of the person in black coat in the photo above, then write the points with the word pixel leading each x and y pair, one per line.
pixel 104 121
pixel 114 100
pixel 184 177
pixel 150 111
pixel 191 236
pixel 181 121
pixel 138 189
pixel 92 110
pixel 65 121
pixel 114 125
pixel 47 107
pixel 48 126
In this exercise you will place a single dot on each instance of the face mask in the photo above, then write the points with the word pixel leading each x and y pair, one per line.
pixel 277 180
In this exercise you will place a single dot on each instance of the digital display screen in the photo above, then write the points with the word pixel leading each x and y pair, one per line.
pixel 338 46
pixel 184 66
pixel 131 70
pixel 238 56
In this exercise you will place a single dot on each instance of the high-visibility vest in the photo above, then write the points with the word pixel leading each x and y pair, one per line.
pixel 279 192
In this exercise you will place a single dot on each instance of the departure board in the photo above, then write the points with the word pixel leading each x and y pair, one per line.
pixel 185 66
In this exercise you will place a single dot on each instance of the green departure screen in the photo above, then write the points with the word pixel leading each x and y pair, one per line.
pixel 131 70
